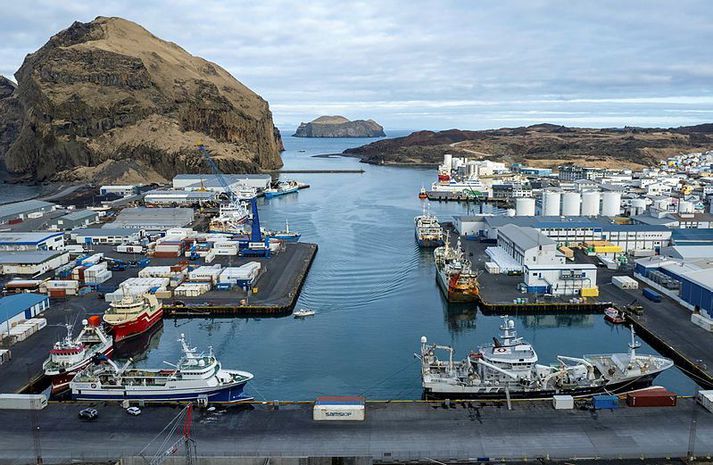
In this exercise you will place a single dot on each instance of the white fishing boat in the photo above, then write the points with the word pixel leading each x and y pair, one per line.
pixel 195 376
pixel 303 312
pixel 509 367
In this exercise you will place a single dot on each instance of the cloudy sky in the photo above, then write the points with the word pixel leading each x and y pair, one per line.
pixel 416 64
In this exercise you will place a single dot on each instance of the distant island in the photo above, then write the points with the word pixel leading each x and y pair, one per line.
pixel 541 145
pixel 339 126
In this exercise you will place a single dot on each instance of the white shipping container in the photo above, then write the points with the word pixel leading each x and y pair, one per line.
pixel 23 401
pixel 41 323
pixel 492 268
pixel 192 289
pixel 705 398
pixel 624 282
pixel 93 259
pixel 61 284
pixel 129 249
pixel 336 412
pixel 563 402
pixel 702 321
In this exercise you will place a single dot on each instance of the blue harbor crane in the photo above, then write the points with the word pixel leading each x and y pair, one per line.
pixel 255 233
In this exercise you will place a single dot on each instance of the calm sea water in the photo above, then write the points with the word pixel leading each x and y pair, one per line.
pixel 374 291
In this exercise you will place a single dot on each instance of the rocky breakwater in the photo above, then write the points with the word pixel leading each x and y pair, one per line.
pixel 108 101
pixel 339 126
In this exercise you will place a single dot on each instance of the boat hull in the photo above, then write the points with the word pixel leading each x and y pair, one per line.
pixel 60 381
pixel 496 393
pixel 271 195
pixel 143 323
pixel 454 295
pixel 228 394
pixel 288 238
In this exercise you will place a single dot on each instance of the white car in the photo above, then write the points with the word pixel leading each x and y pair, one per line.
pixel 135 411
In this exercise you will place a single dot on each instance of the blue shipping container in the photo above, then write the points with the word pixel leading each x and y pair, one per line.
pixel 603 401
pixel 652 295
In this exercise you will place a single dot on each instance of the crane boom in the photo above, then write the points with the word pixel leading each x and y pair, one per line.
pixel 217 173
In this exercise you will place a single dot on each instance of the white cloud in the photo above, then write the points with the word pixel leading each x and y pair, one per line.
pixel 422 64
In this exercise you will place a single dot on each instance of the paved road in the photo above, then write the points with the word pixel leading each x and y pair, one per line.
pixel 399 431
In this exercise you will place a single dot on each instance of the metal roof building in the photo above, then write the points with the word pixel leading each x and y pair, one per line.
pixel 211 182
pixel 31 262
pixel 31 240
pixel 16 210
pixel 152 218
pixel 19 307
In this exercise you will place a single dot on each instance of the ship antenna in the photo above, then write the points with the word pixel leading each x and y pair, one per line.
pixel 634 344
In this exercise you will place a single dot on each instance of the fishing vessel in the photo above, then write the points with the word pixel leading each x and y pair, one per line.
pixel 428 230
pixel 195 376
pixel 71 354
pixel 232 217
pixel 283 188
pixel 509 367
pixel 286 235
pixel 303 312
pixel 133 315
pixel 614 316
pixel 454 274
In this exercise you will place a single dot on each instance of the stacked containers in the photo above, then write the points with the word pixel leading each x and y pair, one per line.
pixel 192 289
pixel 206 274
pixel 69 287
pixel 168 249
pixel 97 274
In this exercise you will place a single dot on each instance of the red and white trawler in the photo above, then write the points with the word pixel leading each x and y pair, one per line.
pixel 70 355
pixel 133 315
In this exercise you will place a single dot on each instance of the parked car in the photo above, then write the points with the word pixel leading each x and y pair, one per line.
pixel 88 414
pixel 135 411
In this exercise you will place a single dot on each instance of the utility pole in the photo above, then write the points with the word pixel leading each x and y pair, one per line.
pixel 34 422
pixel 692 431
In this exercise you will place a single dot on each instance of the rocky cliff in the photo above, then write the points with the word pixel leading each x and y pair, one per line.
pixel 339 126
pixel 542 145
pixel 109 101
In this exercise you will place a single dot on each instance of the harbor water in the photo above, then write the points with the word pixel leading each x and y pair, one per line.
pixel 374 292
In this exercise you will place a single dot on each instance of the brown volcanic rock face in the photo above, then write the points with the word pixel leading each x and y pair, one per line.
pixel 542 145
pixel 107 96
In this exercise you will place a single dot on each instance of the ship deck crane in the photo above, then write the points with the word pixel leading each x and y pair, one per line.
pixel 255 233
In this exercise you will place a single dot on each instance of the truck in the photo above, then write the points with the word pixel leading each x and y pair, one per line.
pixel 651 295
pixel 22 401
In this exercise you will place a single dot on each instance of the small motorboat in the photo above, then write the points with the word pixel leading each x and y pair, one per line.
pixel 422 193
pixel 304 312
pixel 614 316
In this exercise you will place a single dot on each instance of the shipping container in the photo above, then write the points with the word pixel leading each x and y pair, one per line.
pixel 589 292
pixel 624 282
pixel 22 401
pixel 651 398
pixel 651 295
pixel 702 321
pixel 340 408
pixel 603 401
pixel 563 402
pixel 705 398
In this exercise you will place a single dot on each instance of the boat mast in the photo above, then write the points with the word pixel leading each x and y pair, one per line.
pixel 633 345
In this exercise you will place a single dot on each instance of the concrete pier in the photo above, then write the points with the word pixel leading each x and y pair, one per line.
pixel 465 432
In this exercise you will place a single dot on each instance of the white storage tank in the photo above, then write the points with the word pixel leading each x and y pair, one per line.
pixel 591 203
pixel 525 206
pixel 684 206
pixel 447 161
pixel 551 203
pixel 611 203
pixel 571 204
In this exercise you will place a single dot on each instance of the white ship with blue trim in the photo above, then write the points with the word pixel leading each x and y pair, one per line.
pixel 195 376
